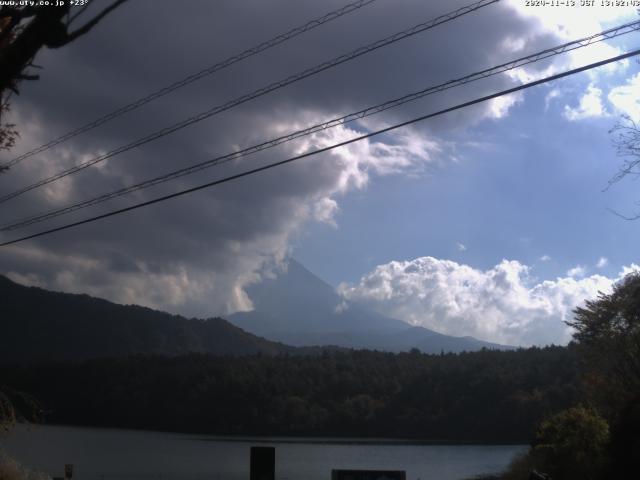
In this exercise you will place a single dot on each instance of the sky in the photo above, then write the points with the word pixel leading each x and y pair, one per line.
pixel 494 221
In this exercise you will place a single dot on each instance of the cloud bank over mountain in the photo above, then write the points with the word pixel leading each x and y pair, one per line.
pixel 196 255
pixel 504 304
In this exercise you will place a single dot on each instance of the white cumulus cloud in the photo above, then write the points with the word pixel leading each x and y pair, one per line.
pixel 590 106
pixel 577 271
pixel 502 304
pixel 626 98
pixel 553 94
pixel 499 107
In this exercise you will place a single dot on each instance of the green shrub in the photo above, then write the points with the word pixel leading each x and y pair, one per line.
pixel 572 444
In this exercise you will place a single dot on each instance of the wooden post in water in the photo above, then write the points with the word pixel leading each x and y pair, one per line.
pixel 263 463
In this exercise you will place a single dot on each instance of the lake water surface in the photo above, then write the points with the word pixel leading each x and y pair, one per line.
pixel 129 455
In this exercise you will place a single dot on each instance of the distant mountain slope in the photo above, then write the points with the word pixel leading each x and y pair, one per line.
pixel 299 302
pixel 300 309
pixel 39 325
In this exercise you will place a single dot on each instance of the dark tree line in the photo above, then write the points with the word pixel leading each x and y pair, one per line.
pixel 579 405
pixel 487 396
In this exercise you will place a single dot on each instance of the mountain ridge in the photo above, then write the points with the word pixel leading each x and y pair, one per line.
pixel 42 325
pixel 297 313
pixel 298 308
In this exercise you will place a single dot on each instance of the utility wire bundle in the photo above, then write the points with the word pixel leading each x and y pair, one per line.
pixel 396 37
pixel 250 52
pixel 504 67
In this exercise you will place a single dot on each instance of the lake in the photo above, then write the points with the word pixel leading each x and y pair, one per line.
pixel 105 454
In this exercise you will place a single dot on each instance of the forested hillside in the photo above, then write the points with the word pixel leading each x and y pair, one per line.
pixel 486 396
pixel 39 325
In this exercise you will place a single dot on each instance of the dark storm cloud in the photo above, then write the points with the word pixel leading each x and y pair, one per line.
pixel 194 254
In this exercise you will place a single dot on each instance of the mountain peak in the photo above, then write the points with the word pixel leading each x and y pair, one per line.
pixel 298 308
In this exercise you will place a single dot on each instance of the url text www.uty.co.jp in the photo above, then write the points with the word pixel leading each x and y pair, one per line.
pixel 43 3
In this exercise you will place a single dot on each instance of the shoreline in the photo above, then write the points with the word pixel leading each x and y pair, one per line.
pixel 286 439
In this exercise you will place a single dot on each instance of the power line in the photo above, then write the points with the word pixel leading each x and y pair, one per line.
pixel 326 149
pixel 351 7
pixel 557 50
pixel 257 93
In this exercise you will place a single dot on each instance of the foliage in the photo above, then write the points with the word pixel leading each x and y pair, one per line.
pixel 17 406
pixel 626 140
pixel 41 325
pixel 8 133
pixel 486 396
pixel 24 30
pixel 625 441
pixel 576 443
pixel 520 468
pixel 572 444
pixel 12 470
pixel 7 412
pixel 608 333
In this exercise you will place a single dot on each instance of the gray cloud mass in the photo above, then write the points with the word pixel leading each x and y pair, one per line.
pixel 194 255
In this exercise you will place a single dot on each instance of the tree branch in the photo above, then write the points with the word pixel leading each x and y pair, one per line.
pixel 624 217
pixel 89 25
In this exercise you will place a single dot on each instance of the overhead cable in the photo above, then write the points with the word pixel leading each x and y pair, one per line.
pixel 520 62
pixel 351 7
pixel 324 149
pixel 255 94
